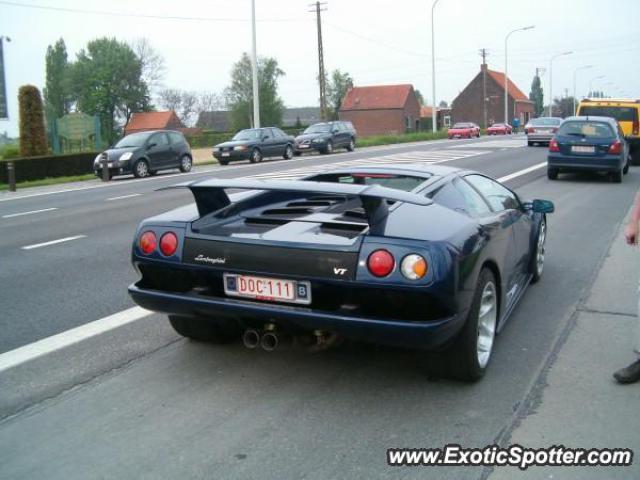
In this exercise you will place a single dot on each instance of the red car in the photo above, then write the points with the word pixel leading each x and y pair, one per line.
pixel 464 130
pixel 500 129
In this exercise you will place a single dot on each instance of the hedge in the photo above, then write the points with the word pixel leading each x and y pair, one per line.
pixel 210 138
pixel 48 166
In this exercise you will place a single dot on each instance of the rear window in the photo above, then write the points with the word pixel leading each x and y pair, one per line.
pixel 545 121
pixel 586 129
pixel 621 114
pixel 405 183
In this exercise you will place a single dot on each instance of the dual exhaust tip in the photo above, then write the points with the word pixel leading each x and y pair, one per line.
pixel 252 338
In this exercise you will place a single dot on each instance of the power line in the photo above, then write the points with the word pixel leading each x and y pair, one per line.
pixel 141 15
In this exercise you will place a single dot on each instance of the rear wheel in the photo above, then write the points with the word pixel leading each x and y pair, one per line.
pixel 530 144
pixel 552 173
pixel 635 155
pixel 256 156
pixel 288 153
pixel 223 162
pixel 329 148
pixel 205 331
pixel 141 169
pixel 469 357
pixel 536 265
pixel 351 146
pixel 185 164
pixel 616 177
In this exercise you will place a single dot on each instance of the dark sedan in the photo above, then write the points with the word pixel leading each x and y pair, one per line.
pixel 421 256
pixel 594 144
pixel 254 144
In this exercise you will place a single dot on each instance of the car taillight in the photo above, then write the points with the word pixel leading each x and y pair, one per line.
pixel 636 127
pixel 148 242
pixel 168 244
pixel 413 267
pixel 381 263
pixel 616 147
pixel 553 145
pixel 529 130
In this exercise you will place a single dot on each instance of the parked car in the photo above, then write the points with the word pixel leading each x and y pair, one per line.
pixel 327 136
pixel 463 130
pixel 625 111
pixel 589 144
pixel 254 144
pixel 541 129
pixel 145 153
pixel 422 256
pixel 500 129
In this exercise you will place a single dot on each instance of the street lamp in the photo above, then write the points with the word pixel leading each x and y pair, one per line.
pixel 434 119
pixel 599 77
pixel 506 78
pixel 551 79
pixel 574 84
pixel 254 68
pixel 4 110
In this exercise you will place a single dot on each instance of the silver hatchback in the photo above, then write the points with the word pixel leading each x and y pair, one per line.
pixel 541 129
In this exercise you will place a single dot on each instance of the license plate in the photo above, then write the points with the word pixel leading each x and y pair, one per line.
pixel 267 289
pixel 225 154
pixel 303 146
pixel 582 149
pixel 110 165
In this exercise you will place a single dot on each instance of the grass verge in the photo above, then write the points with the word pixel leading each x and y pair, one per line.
pixel 401 138
pixel 49 181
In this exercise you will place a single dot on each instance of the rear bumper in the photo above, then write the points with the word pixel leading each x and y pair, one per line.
pixel 233 155
pixel 581 163
pixel 424 335
pixel 311 147
pixel 540 137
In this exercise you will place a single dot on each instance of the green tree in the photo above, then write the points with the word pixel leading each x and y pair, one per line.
pixel 239 95
pixel 56 91
pixel 419 96
pixel 107 81
pixel 563 107
pixel 537 96
pixel 337 88
pixel 32 137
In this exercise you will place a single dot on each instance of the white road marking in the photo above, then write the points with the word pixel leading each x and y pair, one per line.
pixel 123 197
pixel 510 143
pixel 52 242
pixel 65 339
pixel 519 173
pixel 11 215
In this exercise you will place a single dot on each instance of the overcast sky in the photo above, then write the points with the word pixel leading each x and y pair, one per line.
pixel 376 41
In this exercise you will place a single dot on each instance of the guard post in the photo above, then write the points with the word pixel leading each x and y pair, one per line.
pixel 11 174
pixel 105 169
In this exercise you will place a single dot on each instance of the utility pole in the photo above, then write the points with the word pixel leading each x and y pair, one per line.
pixel 484 54
pixel 320 7
pixel 254 69
pixel 434 112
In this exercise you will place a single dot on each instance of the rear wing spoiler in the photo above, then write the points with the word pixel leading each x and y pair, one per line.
pixel 210 195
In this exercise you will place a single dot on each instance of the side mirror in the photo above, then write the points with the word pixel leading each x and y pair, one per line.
pixel 151 145
pixel 542 206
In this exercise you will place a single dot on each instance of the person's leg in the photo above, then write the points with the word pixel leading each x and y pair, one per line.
pixel 631 373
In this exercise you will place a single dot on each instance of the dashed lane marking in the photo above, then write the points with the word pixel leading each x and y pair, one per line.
pixel 52 242
pixel 31 212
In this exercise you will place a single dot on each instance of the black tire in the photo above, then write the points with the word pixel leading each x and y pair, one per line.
pixel 463 358
pixel 288 153
pixel 625 169
pixel 552 173
pixel 329 148
pixel 141 169
pixel 186 163
pixel 297 154
pixel 616 177
pixel 202 330
pixel 256 156
pixel 529 144
pixel 351 146
pixel 635 156
pixel 223 162
pixel 535 267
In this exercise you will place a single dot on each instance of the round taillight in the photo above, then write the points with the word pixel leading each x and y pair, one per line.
pixel 168 244
pixel 413 267
pixel 381 263
pixel 148 242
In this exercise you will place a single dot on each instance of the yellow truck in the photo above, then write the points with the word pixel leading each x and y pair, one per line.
pixel 625 111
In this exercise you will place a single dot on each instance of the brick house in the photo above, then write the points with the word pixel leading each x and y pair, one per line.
pixel 468 105
pixel 443 116
pixel 144 121
pixel 381 109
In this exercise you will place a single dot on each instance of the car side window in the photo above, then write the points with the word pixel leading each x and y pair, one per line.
pixel 450 197
pixel 474 203
pixel 266 133
pixel 176 138
pixel 500 198
pixel 160 139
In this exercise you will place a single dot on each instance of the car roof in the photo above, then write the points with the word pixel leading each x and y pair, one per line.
pixel 591 118
pixel 417 169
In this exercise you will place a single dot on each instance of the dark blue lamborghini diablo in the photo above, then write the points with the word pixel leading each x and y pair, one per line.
pixel 422 256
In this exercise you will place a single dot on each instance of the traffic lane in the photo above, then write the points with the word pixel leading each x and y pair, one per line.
pixel 248 414
pixel 81 280
pixel 128 185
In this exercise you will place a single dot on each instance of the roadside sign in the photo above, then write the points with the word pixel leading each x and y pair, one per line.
pixel 4 111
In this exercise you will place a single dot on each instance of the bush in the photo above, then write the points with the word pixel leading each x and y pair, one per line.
pixel 9 150
pixel 400 138
pixel 209 138
pixel 49 166
pixel 33 140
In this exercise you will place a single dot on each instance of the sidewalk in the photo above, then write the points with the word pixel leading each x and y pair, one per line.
pixel 578 404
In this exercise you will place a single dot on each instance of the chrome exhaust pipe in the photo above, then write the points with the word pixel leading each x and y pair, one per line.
pixel 269 341
pixel 251 338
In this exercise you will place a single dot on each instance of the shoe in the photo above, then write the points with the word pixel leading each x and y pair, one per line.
pixel 628 374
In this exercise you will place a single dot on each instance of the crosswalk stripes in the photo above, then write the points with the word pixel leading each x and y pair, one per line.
pixel 512 143
pixel 424 156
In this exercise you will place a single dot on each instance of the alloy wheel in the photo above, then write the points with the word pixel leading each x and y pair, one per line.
pixel 487 318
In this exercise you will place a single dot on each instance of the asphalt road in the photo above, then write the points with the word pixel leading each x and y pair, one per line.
pixel 139 402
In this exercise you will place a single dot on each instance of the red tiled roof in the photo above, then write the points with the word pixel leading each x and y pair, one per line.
pixel 426 111
pixel 376 97
pixel 513 91
pixel 152 120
